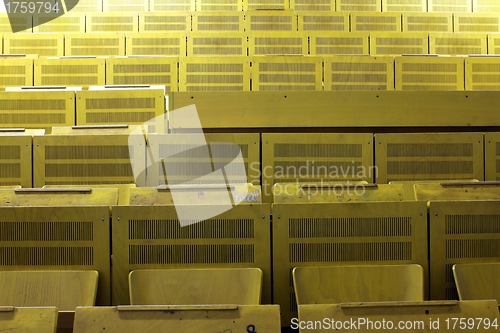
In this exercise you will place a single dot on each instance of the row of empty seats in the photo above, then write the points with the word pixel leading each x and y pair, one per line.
pixel 462 6
pixel 76 156
pixel 258 73
pixel 451 223
pixel 243 44
pixel 255 21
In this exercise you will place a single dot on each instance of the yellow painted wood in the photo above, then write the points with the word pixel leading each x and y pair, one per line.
pixel 261 318
pixel 477 281
pixel 218 20
pixel 429 73
pixel 364 283
pixel 37 109
pixel 112 22
pixel 81 72
pixel 16 72
pixel 348 191
pixel 29 319
pixel 375 22
pixel 492 155
pixel 420 314
pixel 358 72
pixel 123 190
pixel 219 5
pixel 55 196
pixel 418 156
pixel 118 129
pixel 241 286
pixel 87 6
pixel 326 7
pixel 171 5
pixel 367 109
pixel 204 73
pixel 199 162
pixel 398 43
pixel 125 6
pixel 460 232
pixel 22 23
pixel 258 21
pixel 63 289
pixel 427 22
pixel 409 185
pixel 43 44
pixel 251 5
pixel 482 73
pixel 457 43
pixel 449 6
pixel 322 20
pixel 156 44
pixel 210 194
pixel 215 43
pixel 55 238
pixel 476 22
pixel 278 43
pixel 151 22
pixel 341 234
pixel 151 237
pixel 16 159
pixel 457 190
pixel 339 43
pixel 358 5
pixel 69 22
pixel 288 72
pixel 412 6
pixel 94 44
pixel 485 6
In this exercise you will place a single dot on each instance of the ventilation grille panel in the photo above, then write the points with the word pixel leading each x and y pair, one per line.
pixel 326 6
pixel 219 5
pixel 171 5
pixel 65 23
pixel 457 44
pixel 323 21
pixel 449 6
pixel 16 72
pixel 69 72
pixel 164 22
pixel 135 6
pixel 265 4
pixel 482 73
pixel 218 21
pixel 171 44
pixel 95 44
pixel 339 43
pixel 207 44
pixel 404 6
pixel 278 44
pixel 427 22
pixel 359 5
pixel 492 156
pixel 371 22
pixel 112 22
pixel 45 45
pixel 486 6
pixel 270 21
pixel 398 44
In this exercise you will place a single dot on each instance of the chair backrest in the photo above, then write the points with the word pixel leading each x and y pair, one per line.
pixel 64 289
pixel 478 281
pixel 365 283
pixel 241 286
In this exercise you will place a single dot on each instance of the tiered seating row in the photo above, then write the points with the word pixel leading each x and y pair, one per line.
pixel 256 21
pixel 460 6
pixel 257 73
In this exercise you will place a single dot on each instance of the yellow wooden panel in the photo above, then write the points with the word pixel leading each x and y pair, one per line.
pixel 186 319
pixel 457 44
pixel 135 105
pixel 70 22
pixel 164 21
pixel 427 22
pixel 16 72
pixel 94 44
pixel 399 43
pixel 37 109
pixel 112 22
pixel 123 189
pixel 359 73
pixel 358 233
pixel 482 73
pixel 412 156
pixel 323 21
pixel 218 21
pixel 266 4
pixel 125 6
pixel 315 158
pixel 45 45
pixel 456 190
pixel 283 20
pixel 172 5
pixel 287 73
pixel 477 281
pixel 348 43
pixel 485 6
pixel 313 5
pixel 449 6
pixel 250 110
pixel 212 43
pixel 30 319
pixel 281 43
pixel 88 6
pixel 219 5
pixel 493 43
pixel 429 73
pixel 460 232
pixel 373 22
pixel 16 159
pixel 358 5
pixel 143 70
pixel 492 155
pixel 69 72
pixel 412 6
pixel 194 164
pixel 213 243
pixel 214 74
pixel 85 159
pixel 22 23
pixel 58 238
pixel 476 22
pixel 167 44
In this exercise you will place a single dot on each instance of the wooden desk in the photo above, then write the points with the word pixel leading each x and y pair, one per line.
pixel 424 316
pixel 178 318
pixel 28 320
